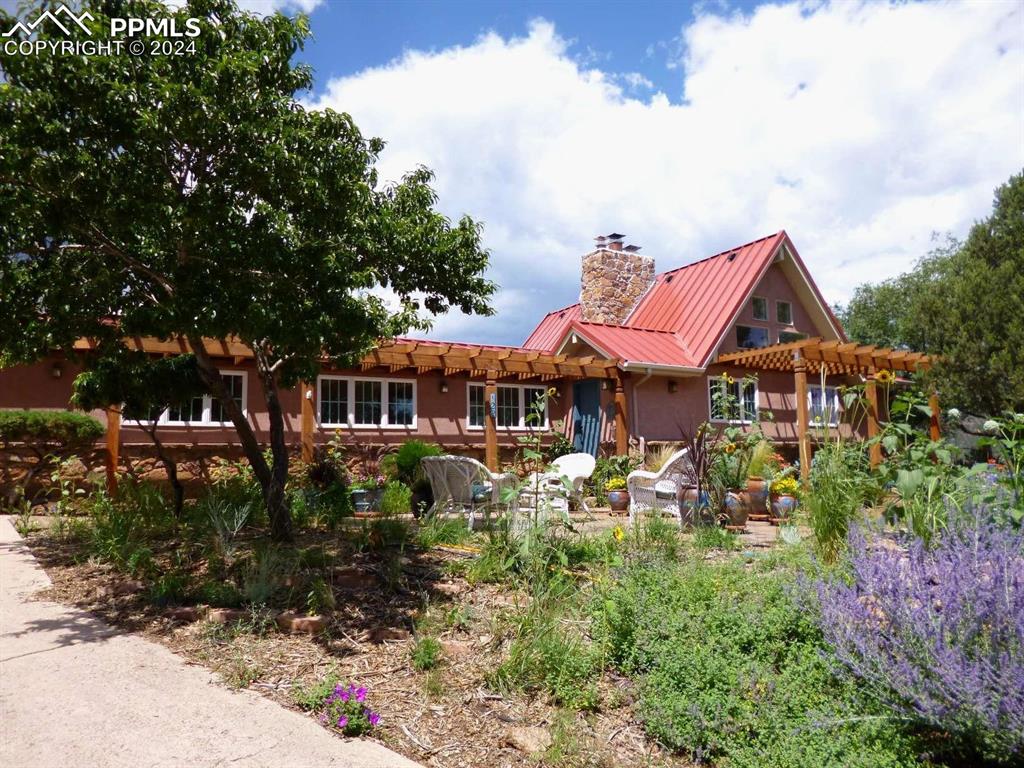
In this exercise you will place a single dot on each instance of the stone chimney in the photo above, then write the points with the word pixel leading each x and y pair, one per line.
pixel 613 279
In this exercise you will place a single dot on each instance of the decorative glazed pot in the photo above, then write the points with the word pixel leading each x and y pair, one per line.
pixel 757 490
pixel 693 507
pixel 736 508
pixel 618 500
pixel 361 500
pixel 783 507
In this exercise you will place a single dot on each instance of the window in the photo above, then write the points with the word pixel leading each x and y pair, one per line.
pixel 206 409
pixel 784 312
pixel 823 406
pixel 759 306
pixel 366 402
pixel 734 402
pixel 785 337
pixel 333 401
pixel 400 403
pixel 476 405
pixel 515 404
pixel 751 336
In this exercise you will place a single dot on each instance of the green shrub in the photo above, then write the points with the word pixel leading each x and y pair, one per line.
pixel 219 594
pixel 840 487
pixel 65 427
pixel 396 499
pixel 407 460
pixel 310 696
pixel 731 670
pixel 707 537
pixel 426 653
pixel 264 575
pixel 171 588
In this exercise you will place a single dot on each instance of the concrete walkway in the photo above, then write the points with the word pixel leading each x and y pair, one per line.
pixel 76 692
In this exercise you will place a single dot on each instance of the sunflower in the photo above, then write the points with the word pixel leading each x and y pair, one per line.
pixel 729 448
pixel 885 377
pixel 618 534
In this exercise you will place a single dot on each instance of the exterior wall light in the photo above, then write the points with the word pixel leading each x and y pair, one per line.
pixel 56 371
pixel 673 386
pixel 443 387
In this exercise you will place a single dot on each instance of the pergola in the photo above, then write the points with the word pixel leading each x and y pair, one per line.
pixel 489 363
pixel 835 358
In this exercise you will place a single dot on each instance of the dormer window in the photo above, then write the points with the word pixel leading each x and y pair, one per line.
pixel 784 312
pixel 759 307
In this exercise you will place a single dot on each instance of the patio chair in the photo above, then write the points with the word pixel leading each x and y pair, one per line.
pixel 659 491
pixel 462 484
pixel 577 468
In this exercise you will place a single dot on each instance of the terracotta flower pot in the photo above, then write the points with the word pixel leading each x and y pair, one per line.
pixel 757 490
pixel 618 500
pixel 736 508
pixel 693 507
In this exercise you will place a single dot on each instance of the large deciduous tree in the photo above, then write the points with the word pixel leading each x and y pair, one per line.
pixel 195 196
pixel 962 303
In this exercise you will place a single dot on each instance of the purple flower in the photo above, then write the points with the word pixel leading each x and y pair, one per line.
pixel 361 694
pixel 373 717
pixel 343 721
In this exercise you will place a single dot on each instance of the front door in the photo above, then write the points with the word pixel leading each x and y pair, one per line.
pixel 586 416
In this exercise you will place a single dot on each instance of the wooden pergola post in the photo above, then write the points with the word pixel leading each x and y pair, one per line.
pixel 113 448
pixel 490 425
pixel 935 427
pixel 306 394
pixel 621 421
pixel 802 419
pixel 871 392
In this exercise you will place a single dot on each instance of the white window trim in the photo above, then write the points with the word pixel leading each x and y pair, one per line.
pixel 350 423
pixel 711 405
pixel 779 303
pixel 767 309
pixel 765 328
pixel 522 426
pixel 834 411
pixel 165 420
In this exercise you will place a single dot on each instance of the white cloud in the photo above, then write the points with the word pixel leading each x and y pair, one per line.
pixel 860 128
pixel 287 6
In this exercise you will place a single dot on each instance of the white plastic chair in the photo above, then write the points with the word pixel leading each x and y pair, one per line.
pixel 577 467
pixel 659 491
pixel 452 479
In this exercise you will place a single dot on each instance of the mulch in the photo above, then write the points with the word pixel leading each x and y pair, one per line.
pixel 447 718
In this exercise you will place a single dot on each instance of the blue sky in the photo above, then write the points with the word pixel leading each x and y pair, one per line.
pixel 640 37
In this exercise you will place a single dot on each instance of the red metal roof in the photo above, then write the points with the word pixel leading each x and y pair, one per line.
pixel 691 307
pixel 636 345
pixel 699 300
pixel 551 330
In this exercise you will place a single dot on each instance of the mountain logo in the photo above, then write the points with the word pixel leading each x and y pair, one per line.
pixel 65 26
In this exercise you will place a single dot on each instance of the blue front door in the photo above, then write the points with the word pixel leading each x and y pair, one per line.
pixel 586 416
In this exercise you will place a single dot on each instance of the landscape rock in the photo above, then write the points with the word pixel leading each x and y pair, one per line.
pixel 186 613
pixel 120 589
pixel 380 634
pixel 350 577
pixel 530 739
pixel 309 625
pixel 449 588
pixel 226 615
pixel 457 650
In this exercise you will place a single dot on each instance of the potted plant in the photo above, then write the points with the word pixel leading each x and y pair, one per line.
pixel 761 456
pixel 366 492
pixel 696 497
pixel 618 496
pixel 731 470
pixel 784 501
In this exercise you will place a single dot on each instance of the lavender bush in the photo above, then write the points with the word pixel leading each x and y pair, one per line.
pixel 937 633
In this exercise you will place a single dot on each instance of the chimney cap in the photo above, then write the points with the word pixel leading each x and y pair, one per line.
pixel 632 248
pixel 615 236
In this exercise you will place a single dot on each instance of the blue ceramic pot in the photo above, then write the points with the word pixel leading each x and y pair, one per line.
pixel 783 506
pixel 736 508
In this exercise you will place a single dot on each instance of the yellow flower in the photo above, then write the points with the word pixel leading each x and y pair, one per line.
pixel 730 380
pixel 730 447
pixel 886 377
pixel 618 533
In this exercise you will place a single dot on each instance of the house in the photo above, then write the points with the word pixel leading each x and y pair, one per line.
pixel 637 358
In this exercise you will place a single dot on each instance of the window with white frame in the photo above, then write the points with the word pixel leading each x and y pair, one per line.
pixel 784 312
pixel 206 409
pixel 518 407
pixel 823 405
pixel 360 402
pixel 733 401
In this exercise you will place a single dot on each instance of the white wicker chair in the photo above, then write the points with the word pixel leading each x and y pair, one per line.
pixel 452 479
pixel 577 467
pixel 658 491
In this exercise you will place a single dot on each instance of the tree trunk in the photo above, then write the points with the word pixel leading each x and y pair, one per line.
pixel 169 465
pixel 272 481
